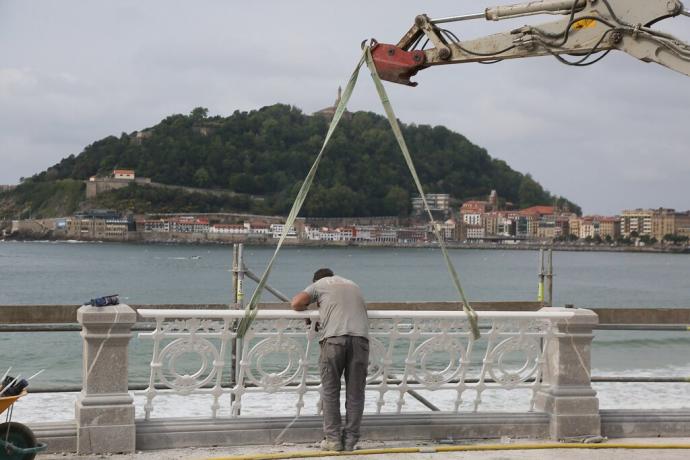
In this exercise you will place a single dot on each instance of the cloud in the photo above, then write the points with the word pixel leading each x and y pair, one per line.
pixel 14 82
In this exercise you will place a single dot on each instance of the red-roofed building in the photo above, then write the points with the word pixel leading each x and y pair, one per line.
pixel 473 206
pixel 610 226
pixel 126 174
pixel 259 228
pixel 472 219
pixel 189 225
pixel 538 210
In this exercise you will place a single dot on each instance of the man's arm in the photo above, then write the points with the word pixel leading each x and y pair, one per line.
pixel 300 301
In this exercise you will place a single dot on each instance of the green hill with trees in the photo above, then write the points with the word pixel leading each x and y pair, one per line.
pixel 267 153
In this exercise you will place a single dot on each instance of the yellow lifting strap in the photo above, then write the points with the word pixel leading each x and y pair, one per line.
pixel 251 310
pixel 471 314
pixel 252 306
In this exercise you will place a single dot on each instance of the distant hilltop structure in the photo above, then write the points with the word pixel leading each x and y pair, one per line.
pixel 119 178
pixel 5 188
pixel 127 174
pixel 138 137
pixel 329 112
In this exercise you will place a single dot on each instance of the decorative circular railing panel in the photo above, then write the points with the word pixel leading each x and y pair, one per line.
pixel 408 351
pixel 426 371
pixel 261 370
pixel 509 374
pixel 203 355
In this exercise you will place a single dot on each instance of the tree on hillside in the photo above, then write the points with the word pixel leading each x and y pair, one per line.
pixel 267 151
pixel 199 113
pixel 530 192
pixel 201 177
pixel 396 202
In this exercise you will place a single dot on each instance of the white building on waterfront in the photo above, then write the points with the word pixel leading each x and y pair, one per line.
pixel 158 225
pixel 475 233
pixel 328 234
pixel 277 230
pixel 189 225
pixel 231 229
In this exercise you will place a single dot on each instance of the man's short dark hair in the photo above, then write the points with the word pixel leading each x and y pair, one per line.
pixel 322 273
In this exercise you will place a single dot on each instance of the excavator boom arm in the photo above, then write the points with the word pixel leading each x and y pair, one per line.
pixel 589 27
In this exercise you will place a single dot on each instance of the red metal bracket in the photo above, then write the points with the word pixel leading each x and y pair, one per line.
pixel 395 64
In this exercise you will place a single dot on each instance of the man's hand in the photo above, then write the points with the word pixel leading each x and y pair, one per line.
pixel 300 301
pixel 316 326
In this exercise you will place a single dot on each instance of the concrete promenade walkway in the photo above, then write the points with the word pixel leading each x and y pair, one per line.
pixel 546 454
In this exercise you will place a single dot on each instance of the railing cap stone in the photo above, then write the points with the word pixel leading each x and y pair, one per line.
pixel 120 314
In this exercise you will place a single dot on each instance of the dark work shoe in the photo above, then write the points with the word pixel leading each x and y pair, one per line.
pixel 336 446
pixel 349 446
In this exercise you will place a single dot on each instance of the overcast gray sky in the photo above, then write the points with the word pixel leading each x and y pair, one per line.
pixel 609 137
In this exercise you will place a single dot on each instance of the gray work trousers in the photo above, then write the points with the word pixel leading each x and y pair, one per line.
pixel 348 354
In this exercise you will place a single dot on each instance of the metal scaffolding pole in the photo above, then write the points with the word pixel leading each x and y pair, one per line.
pixel 549 278
pixel 540 274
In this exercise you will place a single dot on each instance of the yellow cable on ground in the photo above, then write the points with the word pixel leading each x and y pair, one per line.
pixel 467 448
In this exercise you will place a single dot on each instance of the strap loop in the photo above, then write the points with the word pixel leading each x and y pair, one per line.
pixel 467 308
pixel 252 307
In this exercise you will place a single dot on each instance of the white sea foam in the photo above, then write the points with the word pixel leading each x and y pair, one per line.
pixel 60 406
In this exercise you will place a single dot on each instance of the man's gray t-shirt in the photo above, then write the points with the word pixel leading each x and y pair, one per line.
pixel 341 307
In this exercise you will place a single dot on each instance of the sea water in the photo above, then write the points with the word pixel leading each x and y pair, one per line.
pixel 70 273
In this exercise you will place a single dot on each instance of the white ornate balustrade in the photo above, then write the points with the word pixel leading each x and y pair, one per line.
pixel 409 351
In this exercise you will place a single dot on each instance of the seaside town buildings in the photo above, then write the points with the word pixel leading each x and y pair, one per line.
pixel 487 220
pixel 655 223
pixel 474 224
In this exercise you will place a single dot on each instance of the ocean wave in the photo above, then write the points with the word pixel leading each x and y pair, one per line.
pixel 642 342
pixel 611 396
pixel 659 371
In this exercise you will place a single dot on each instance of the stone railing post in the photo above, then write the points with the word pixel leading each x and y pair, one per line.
pixel 104 408
pixel 568 398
